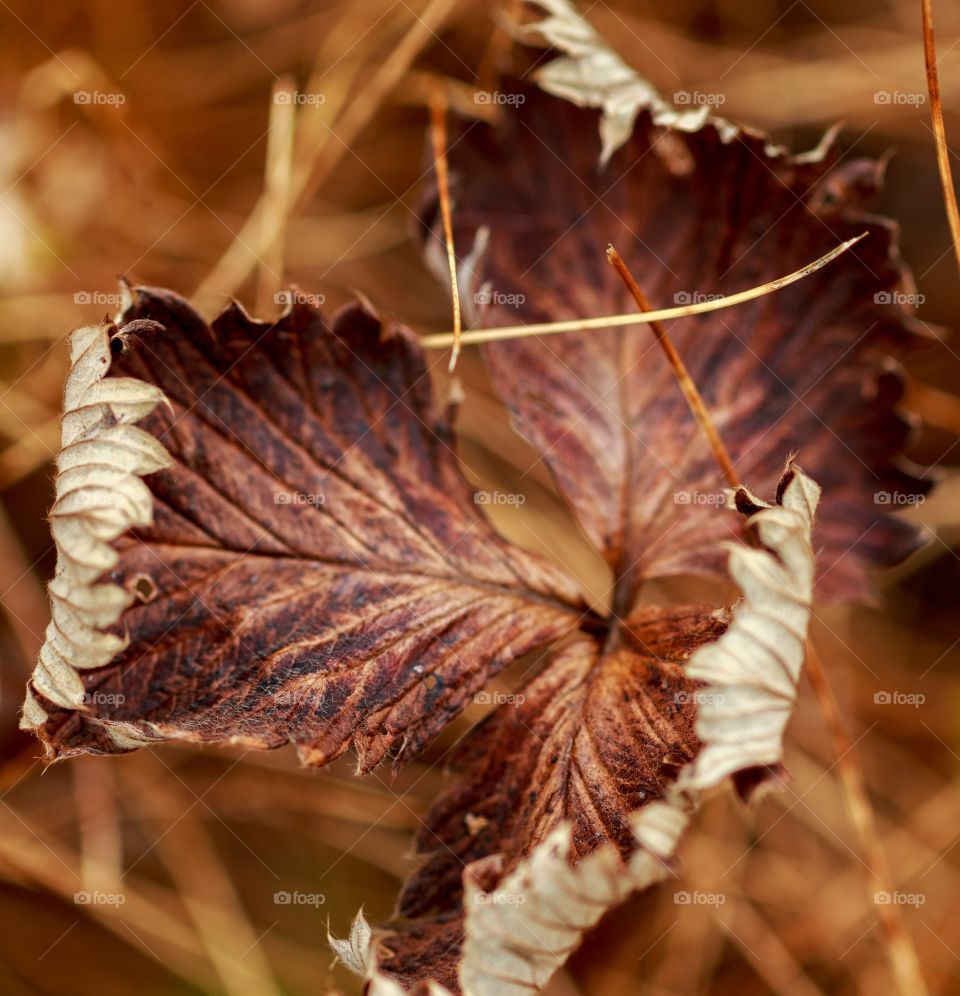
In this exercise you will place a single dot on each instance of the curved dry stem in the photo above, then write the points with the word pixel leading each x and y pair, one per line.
pixel 443 340
pixel 438 138
pixel 939 130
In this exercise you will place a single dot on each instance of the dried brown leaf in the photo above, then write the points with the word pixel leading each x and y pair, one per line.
pixel 586 762
pixel 316 570
pixel 696 207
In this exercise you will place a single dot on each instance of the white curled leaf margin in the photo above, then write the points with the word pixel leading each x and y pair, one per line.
pixel 99 495
pixel 589 73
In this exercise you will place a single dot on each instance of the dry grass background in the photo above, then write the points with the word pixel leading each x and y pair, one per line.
pixel 163 188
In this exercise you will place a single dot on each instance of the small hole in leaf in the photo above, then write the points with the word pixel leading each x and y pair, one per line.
pixel 145 589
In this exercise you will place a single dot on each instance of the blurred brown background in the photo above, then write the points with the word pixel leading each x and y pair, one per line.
pixel 142 139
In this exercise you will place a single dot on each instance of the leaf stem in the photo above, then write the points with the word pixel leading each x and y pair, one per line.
pixel 939 129
pixel 443 340
pixel 690 392
pixel 438 137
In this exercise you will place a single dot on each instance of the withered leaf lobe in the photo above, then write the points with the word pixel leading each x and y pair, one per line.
pixel 600 732
pixel 806 369
pixel 322 574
